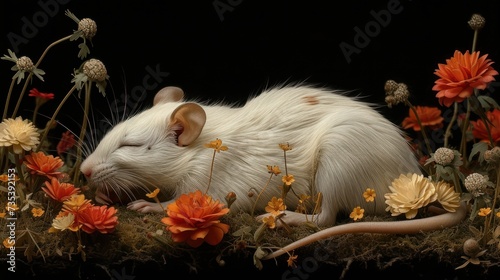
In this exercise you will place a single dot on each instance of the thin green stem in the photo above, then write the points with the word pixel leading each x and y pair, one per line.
pixel 211 172
pixel 463 142
pixel 447 134
pixel 9 94
pixel 260 193
pixel 82 132
pixel 50 123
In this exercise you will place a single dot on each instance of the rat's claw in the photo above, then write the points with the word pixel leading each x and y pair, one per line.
pixel 143 206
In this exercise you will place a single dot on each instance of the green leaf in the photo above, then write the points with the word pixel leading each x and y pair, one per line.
pixel 487 102
pixel 479 147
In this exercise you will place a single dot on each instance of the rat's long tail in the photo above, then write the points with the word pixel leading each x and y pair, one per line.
pixel 445 220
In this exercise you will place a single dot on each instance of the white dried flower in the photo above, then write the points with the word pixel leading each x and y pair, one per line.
pixel 410 192
pixel 444 156
pixel 476 22
pixel 476 183
pixel 24 63
pixel 21 134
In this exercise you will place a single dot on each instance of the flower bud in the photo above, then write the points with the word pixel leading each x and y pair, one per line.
pixel 476 22
pixel 24 63
pixel 88 27
pixel 95 70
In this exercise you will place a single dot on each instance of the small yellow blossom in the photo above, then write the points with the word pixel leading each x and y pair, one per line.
pixel 292 261
pixel 269 221
pixel 288 179
pixel 275 206
pixel 153 194
pixel 357 213
pixel 498 214
pixel 484 212
pixel 285 147
pixel 37 212
pixel 21 135
pixel 5 178
pixel 369 195
pixel 273 169
pixel 2 214
pixel 216 145
pixel 12 207
pixel 75 203
pixel 7 242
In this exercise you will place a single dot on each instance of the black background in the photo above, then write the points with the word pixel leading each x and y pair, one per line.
pixel 230 55
pixel 230 50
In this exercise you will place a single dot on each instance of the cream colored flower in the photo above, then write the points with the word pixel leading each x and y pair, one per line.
pixel 446 196
pixel 444 156
pixel 63 222
pixel 20 134
pixel 410 192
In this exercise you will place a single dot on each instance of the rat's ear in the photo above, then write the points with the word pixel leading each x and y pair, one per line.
pixel 168 94
pixel 187 121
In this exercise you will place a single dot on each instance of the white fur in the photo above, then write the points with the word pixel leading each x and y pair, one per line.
pixel 340 147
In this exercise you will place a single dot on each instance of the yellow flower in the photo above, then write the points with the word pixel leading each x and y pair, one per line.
pixel 285 147
pixel 288 179
pixel 2 214
pixel 498 214
pixel 37 212
pixel 357 213
pixel 269 221
pixel 7 242
pixel 216 145
pixel 369 195
pixel 273 169
pixel 446 196
pixel 410 192
pixel 21 134
pixel 12 207
pixel 75 203
pixel 291 261
pixel 484 212
pixel 153 194
pixel 275 206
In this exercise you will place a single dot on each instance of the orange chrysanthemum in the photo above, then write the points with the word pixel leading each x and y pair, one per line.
pixel 461 75
pixel 59 191
pixel 100 218
pixel 194 218
pixel 44 165
pixel 479 130
pixel 429 117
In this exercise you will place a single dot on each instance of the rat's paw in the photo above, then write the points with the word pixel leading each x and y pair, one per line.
pixel 143 206
pixel 289 217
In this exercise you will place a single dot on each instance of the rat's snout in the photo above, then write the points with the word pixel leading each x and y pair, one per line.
pixel 85 169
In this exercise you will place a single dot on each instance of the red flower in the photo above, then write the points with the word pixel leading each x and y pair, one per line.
pixel 100 218
pixel 479 130
pixel 461 75
pixel 194 218
pixel 59 191
pixel 35 93
pixel 67 142
pixel 429 116
pixel 44 165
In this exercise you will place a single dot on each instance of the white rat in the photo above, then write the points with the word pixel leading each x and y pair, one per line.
pixel 340 147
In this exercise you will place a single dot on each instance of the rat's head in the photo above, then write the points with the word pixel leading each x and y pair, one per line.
pixel 146 151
